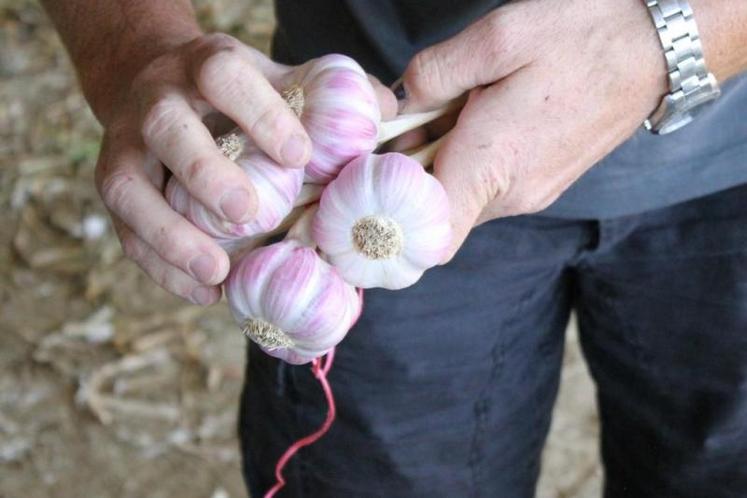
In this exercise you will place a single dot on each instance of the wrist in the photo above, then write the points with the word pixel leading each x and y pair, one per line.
pixel 722 25
pixel 640 50
pixel 107 75
pixel 692 83
pixel 110 41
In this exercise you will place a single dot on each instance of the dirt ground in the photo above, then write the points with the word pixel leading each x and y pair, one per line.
pixel 109 387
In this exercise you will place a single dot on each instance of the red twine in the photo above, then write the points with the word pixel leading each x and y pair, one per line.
pixel 320 367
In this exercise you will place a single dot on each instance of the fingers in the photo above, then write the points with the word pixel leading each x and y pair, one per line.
pixel 487 51
pixel 176 135
pixel 387 100
pixel 162 272
pixel 228 78
pixel 407 141
pixel 131 197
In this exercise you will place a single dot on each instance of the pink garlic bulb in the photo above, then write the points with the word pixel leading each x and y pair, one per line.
pixel 337 106
pixel 383 221
pixel 289 301
pixel 276 187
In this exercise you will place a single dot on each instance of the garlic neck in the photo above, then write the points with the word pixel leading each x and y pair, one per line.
pixel 301 229
pixel 294 96
pixel 377 237
pixel 266 334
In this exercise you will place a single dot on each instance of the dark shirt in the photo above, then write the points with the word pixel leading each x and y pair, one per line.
pixel 646 172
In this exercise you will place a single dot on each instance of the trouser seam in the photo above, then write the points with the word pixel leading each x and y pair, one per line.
pixel 482 406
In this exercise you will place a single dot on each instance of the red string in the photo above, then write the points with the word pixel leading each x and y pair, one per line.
pixel 320 367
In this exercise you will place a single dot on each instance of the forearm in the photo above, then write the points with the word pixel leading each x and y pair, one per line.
pixel 723 30
pixel 111 40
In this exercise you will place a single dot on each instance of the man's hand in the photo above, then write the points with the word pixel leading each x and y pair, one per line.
pixel 554 86
pixel 154 80
pixel 158 121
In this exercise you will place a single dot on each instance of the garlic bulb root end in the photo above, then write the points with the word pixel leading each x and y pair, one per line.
pixel 377 237
pixel 266 334
pixel 295 98
pixel 230 145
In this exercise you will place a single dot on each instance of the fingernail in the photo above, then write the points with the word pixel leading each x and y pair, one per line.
pixel 203 296
pixel 294 150
pixel 398 89
pixel 235 205
pixel 400 92
pixel 202 267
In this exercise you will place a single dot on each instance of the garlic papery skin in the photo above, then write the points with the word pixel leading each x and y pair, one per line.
pixel 383 221
pixel 291 302
pixel 276 187
pixel 338 108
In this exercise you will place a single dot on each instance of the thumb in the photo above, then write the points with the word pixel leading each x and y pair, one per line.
pixel 485 52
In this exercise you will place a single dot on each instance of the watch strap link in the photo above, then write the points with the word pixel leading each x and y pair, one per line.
pixel 691 84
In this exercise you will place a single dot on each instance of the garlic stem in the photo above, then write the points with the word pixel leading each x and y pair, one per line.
pixel 310 192
pixel 406 122
pixel 298 222
pixel 260 240
pixel 301 229
pixel 287 222
pixel 427 153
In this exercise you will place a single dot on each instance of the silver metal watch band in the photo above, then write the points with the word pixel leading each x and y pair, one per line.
pixel 691 84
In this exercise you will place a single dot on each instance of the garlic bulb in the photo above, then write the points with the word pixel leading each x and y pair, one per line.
pixel 383 221
pixel 276 187
pixel 337 106
pixel 289 301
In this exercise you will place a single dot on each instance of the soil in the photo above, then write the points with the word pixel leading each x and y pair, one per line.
pixel 110 387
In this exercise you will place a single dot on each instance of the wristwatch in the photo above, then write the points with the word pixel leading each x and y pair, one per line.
pixel 691 85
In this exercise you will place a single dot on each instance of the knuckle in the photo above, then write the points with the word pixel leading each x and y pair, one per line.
pixel 159 118
pixel 494 181
pixel 528 204
pixel 131 248
pixel 115 191
pixel 174 281
pixel 543 202
pixel 163 275
pixel 220 41
pixel 147 77
pixel 221 73
pixel 160 276
pixel 263 123
pixel 493 41
pixel 529 200
pixel 496 28
pixel 197 171
pixel 426 76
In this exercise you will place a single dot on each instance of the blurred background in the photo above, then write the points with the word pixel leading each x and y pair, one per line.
pixel 109 387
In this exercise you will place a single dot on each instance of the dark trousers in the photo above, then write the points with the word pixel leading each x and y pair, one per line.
pixel 445 389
